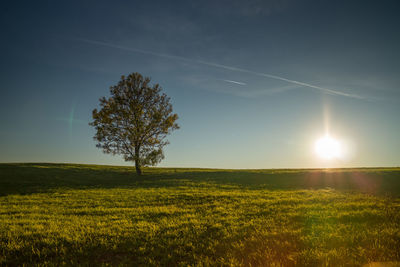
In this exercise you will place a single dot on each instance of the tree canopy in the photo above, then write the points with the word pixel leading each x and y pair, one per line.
pixel 134 121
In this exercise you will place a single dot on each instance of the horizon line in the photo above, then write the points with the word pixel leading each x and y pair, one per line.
pixel 206 168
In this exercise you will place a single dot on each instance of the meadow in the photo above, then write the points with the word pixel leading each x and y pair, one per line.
pixel 70 214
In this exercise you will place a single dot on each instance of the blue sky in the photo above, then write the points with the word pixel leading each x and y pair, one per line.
pixel 255 83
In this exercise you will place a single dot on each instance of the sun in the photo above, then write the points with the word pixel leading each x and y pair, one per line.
pixel 328 148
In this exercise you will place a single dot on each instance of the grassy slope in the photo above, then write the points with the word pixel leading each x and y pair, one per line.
pixel 56 214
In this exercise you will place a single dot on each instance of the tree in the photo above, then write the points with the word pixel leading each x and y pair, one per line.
pixel 134 121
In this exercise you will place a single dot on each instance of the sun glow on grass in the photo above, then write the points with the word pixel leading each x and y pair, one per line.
pixel 328 148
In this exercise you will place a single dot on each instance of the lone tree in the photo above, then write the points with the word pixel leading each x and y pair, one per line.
pixel 134 121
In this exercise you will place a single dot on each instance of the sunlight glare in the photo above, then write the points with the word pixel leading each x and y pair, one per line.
pixel 328 148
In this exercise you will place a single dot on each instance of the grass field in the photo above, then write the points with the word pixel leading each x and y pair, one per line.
pixel 66 214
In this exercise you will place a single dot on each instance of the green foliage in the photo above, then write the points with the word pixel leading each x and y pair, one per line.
pixel 66 214
pixel 134 121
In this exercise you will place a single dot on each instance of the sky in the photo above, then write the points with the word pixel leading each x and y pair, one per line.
pixel 255 83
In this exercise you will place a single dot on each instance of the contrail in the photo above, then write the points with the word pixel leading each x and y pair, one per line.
pixel 326 90
pixel 235 82
pixel 216 65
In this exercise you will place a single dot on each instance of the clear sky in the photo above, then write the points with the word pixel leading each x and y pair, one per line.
pixel 255 83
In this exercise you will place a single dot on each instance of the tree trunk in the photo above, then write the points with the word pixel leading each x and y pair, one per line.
pixel 137 161
pixel 138 170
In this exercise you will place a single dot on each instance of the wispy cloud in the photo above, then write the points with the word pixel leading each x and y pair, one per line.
pixel 323 89
pixel 235 82
pixel 221 66
pixel 281 89
pixel 243 8
pixel 259 92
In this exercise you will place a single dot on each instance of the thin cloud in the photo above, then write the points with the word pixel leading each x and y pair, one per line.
pixel 282 89
pixel 260 92
pixel 235 82
pixel 325 90
pixel 216 65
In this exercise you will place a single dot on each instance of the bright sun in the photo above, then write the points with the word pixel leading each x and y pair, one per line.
pixel 328 148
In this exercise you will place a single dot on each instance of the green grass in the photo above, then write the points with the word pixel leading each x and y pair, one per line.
pixel 67 214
